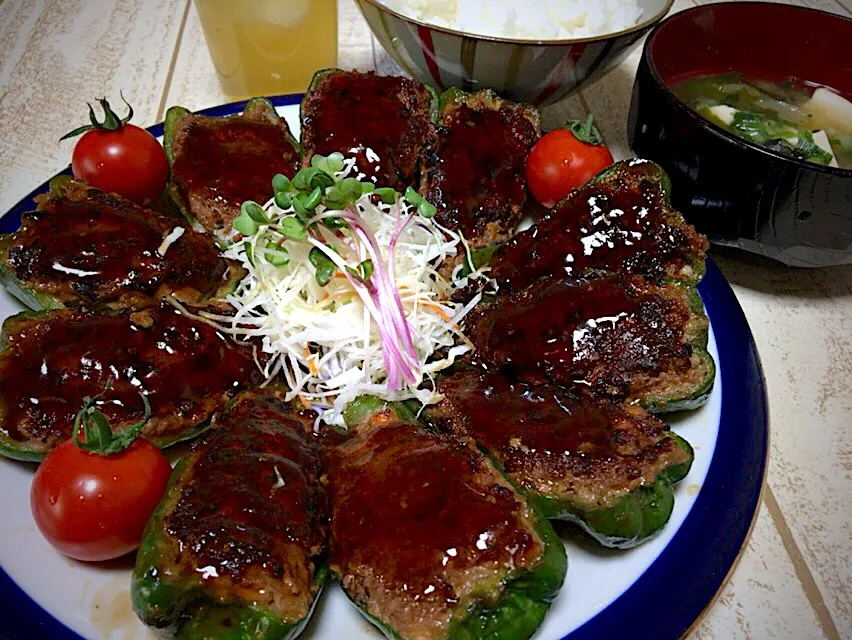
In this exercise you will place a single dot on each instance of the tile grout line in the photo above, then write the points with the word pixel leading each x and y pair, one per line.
pixel 170 75
pixel 800 566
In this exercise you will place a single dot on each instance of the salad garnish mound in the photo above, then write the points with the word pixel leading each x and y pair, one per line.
pixel 343 289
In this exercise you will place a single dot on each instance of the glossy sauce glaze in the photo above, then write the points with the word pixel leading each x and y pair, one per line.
pixel 477 175
pixel 621 223
pixel 383 122
pixel 598 332
pixel 186 369
pixel 90 246
pixel 555 440
pixel 222 162
pixel 417 520
pixel 252 503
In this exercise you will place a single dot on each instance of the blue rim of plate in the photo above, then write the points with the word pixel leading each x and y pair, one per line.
pixel 672 594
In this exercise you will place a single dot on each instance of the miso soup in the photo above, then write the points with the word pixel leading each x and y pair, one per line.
pixel 792 118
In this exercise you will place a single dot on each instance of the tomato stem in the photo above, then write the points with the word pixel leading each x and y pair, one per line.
pixel 111 120
pixel 98 436
pixel 585 130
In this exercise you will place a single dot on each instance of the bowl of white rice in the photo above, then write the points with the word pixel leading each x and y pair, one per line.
pixel 536 51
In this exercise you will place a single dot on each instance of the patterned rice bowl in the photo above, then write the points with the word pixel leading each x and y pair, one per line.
pixel 538 72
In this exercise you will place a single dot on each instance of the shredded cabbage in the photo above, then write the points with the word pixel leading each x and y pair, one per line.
pixel 384 323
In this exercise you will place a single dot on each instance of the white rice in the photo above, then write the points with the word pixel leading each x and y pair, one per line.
pixel 524 19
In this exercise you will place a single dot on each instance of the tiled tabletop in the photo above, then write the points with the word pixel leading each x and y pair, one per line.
pixel 794 579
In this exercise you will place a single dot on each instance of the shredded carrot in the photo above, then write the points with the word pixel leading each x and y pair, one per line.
pixel 312 361
pixel 304 401
pixel 439 310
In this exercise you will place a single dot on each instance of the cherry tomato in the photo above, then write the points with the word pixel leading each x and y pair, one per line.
pixel 128 161
pixel 561 161
pixel 94 507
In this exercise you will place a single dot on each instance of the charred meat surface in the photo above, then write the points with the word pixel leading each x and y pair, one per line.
pixel 242 529
pixel 384 122
pixel 620 221
pixel 621 337
pixel 423 526
pixel 218 163
pixel 49 361
pixel 576 454
pixel 87 248
pixel 476 177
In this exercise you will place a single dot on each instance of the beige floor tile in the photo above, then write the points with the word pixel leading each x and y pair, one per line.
pixel 803 331
pixel 68 53
pixel 764 599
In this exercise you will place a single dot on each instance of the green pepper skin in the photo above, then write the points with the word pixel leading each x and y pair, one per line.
pixel 617 508
pixel 523 604
pixel 631 519
pixel 164 604
pixel 697 337
pixel 525 599
pixel 527 594
pixel 18 288
pixel 35 300
pixel 170 126
pixel 183 611
pixel 64 186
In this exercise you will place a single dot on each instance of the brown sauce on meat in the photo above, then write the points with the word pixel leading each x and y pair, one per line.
pixel 563 443
pixel 417 509
pixel 537 420
pixel 596 332
pixel 187 370
pixel 621 226
pixel 381 121
pixel 255 486
pixel 479 175
pixel 99 247
pixel 228 161
pixel 546 434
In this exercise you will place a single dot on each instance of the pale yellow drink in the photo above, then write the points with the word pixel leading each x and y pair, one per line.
pixel 268 47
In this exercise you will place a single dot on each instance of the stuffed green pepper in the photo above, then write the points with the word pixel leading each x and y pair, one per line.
pixel 235 550
pixel 609 467
pixel 428 538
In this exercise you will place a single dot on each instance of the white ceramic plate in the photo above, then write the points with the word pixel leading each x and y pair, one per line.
pixel 656 590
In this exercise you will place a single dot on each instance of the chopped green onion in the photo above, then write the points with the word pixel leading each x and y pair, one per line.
pixel 810 150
